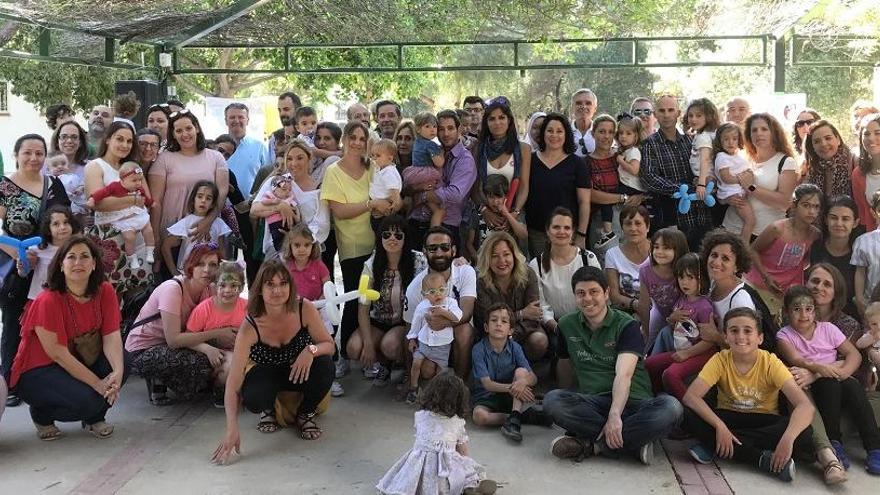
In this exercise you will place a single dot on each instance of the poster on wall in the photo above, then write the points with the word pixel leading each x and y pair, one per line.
pixel 784 106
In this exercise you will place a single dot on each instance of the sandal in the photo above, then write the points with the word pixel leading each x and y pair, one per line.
pixel 308 429
pixel 268 423
pixel 101 429
pixel 47 433
pixel 486 487
pixel 833 473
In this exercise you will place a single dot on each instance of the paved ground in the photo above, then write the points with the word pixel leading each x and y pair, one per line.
pixel 156 450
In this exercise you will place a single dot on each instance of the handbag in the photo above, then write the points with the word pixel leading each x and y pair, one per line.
pixel 88 347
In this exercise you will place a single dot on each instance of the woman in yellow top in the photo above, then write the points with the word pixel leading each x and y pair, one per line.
pixel 346 189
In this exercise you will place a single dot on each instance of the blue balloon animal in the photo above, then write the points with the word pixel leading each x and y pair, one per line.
pixel 22 247
pixel 685 198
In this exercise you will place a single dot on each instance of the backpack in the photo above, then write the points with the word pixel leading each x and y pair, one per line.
pixel 132 307
pixel 586 256
pixel 769 325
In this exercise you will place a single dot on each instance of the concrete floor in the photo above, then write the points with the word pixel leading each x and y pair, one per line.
pixel 156 450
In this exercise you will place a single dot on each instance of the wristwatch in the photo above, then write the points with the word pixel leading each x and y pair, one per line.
pixel 752 188
pixel 313 349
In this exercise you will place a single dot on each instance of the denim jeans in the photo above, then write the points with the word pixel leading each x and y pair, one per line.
pixel 584 416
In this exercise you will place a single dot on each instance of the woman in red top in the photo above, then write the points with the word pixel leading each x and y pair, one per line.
pixel 54 371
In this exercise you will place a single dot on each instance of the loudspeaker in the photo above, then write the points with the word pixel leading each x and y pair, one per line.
pixel 148 92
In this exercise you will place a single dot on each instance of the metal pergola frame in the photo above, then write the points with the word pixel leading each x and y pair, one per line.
pixel 778 51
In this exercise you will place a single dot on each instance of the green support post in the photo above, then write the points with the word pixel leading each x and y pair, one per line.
pixel 779 65
pixel 45 40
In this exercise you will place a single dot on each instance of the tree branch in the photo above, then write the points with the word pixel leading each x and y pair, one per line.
pixel 195 88
pixel 234 88
pixel 7 31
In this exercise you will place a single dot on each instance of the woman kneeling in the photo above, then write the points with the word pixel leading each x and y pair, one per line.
pixel 69 365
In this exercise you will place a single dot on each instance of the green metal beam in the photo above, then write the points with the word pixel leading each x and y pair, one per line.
pixel 109 50
pixel 202 29
pixel 44 42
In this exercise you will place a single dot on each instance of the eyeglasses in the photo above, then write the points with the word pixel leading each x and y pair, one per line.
pixel 642 112
pixel 443 246
pixel 148 145
pixel 434 291
pixel 624 116
pixel 68 137
pixel 388 234
pixel 801 123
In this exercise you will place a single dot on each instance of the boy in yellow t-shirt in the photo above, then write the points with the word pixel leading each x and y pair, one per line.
pixel 747 425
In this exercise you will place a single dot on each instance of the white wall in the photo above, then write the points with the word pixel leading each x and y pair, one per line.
pixel 22 118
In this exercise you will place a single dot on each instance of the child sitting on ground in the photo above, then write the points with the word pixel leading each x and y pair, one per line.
pixel 746 424
pixel 386 182
pixel 227 309
pixel 439 461
pixel 281 192
pixel 815 346
pixel 503 380
pixel 430 348
pixel 426 171
pixel 128 219
pixel 58 166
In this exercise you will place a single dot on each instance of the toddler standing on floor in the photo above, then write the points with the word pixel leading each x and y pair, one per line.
pixel 426 171
pixel 439 461
pixel 425 343
pixel 128 219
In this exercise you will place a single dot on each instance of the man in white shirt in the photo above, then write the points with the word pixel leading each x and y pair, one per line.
pixel 583 106
pixel 461 284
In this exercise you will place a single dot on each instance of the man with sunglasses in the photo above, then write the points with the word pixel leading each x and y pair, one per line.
pixel 583 106
pixel 643 108
pixel 461 285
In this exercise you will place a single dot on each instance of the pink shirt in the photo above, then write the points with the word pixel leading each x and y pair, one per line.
pixel 207 316
pixel 309 280
pixel 822 348
pixel 169 298
pixel 784 262
pixel 181 173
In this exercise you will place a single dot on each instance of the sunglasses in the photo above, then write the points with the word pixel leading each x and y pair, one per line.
pixel 801 123
pixel 624 116
pixel 388 234
pixel 161 107
pixel 179 113
pixel 638 112
pixel 434 291
pixel 443 246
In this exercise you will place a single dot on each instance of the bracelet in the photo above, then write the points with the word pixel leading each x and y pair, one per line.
pixel 579 233
pixel 701 185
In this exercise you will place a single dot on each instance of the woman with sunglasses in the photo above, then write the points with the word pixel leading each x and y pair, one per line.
pixel 185 162
pixel 161 349
pixel 499 151
pixel 378 343
pixel 801 126
pixel 828 162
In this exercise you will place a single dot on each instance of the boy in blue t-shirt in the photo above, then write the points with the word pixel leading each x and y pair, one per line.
pixel 503 378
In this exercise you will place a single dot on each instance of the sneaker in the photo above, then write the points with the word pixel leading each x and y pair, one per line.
pixel 872 463
pixel 701 454
pixel 342 367
pixel 512 429
pixel 13 400
pixel 149 258
pixel 787 473
pixel 383 377
pixel 568 447
pixel 336 389
pixel 133 262
pixel 412 397
pixel 646 453
pixel 217 397
pixel 840 453
pixel 371 371
pixel 606 239
pixel 535 416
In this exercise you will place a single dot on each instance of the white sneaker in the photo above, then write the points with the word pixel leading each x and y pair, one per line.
pixel 342 367
pixel 646 453
pixel 336 389
pixel 133 262
pixel 149 258
pixel 371 371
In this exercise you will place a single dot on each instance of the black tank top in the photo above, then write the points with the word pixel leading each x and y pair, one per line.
pixel 285 354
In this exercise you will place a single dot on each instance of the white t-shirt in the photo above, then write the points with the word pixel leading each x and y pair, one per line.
pixel 76 191
pixel 872 185
pixel 737 165
pixel 40 269
pixel 866 252
pixel 554 286
pixel 384 180
pixel 182 227
pixel 462 283
pixel 701 140
pixel 628 271
pixel 735 299
pixel 767 177
pixel 627 178
pixel 425 334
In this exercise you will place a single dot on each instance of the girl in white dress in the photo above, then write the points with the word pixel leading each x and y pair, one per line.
pixel 438 463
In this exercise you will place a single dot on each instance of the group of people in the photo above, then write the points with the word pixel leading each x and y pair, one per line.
pixel 561 256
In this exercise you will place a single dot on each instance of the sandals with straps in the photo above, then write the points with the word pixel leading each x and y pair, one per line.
pixel 47 433
pixel 100 429
pixel 834 473
pixel 268 423
pixel 308 429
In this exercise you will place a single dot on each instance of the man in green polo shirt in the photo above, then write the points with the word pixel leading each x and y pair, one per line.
pixel 611 410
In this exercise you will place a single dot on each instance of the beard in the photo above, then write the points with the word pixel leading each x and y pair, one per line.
pixel 286 121
pixel 440 263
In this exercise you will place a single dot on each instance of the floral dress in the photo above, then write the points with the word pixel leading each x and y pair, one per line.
pixel 23 208
pixel 433 466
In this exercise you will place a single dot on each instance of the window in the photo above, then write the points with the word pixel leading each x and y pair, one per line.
pixel 4 97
